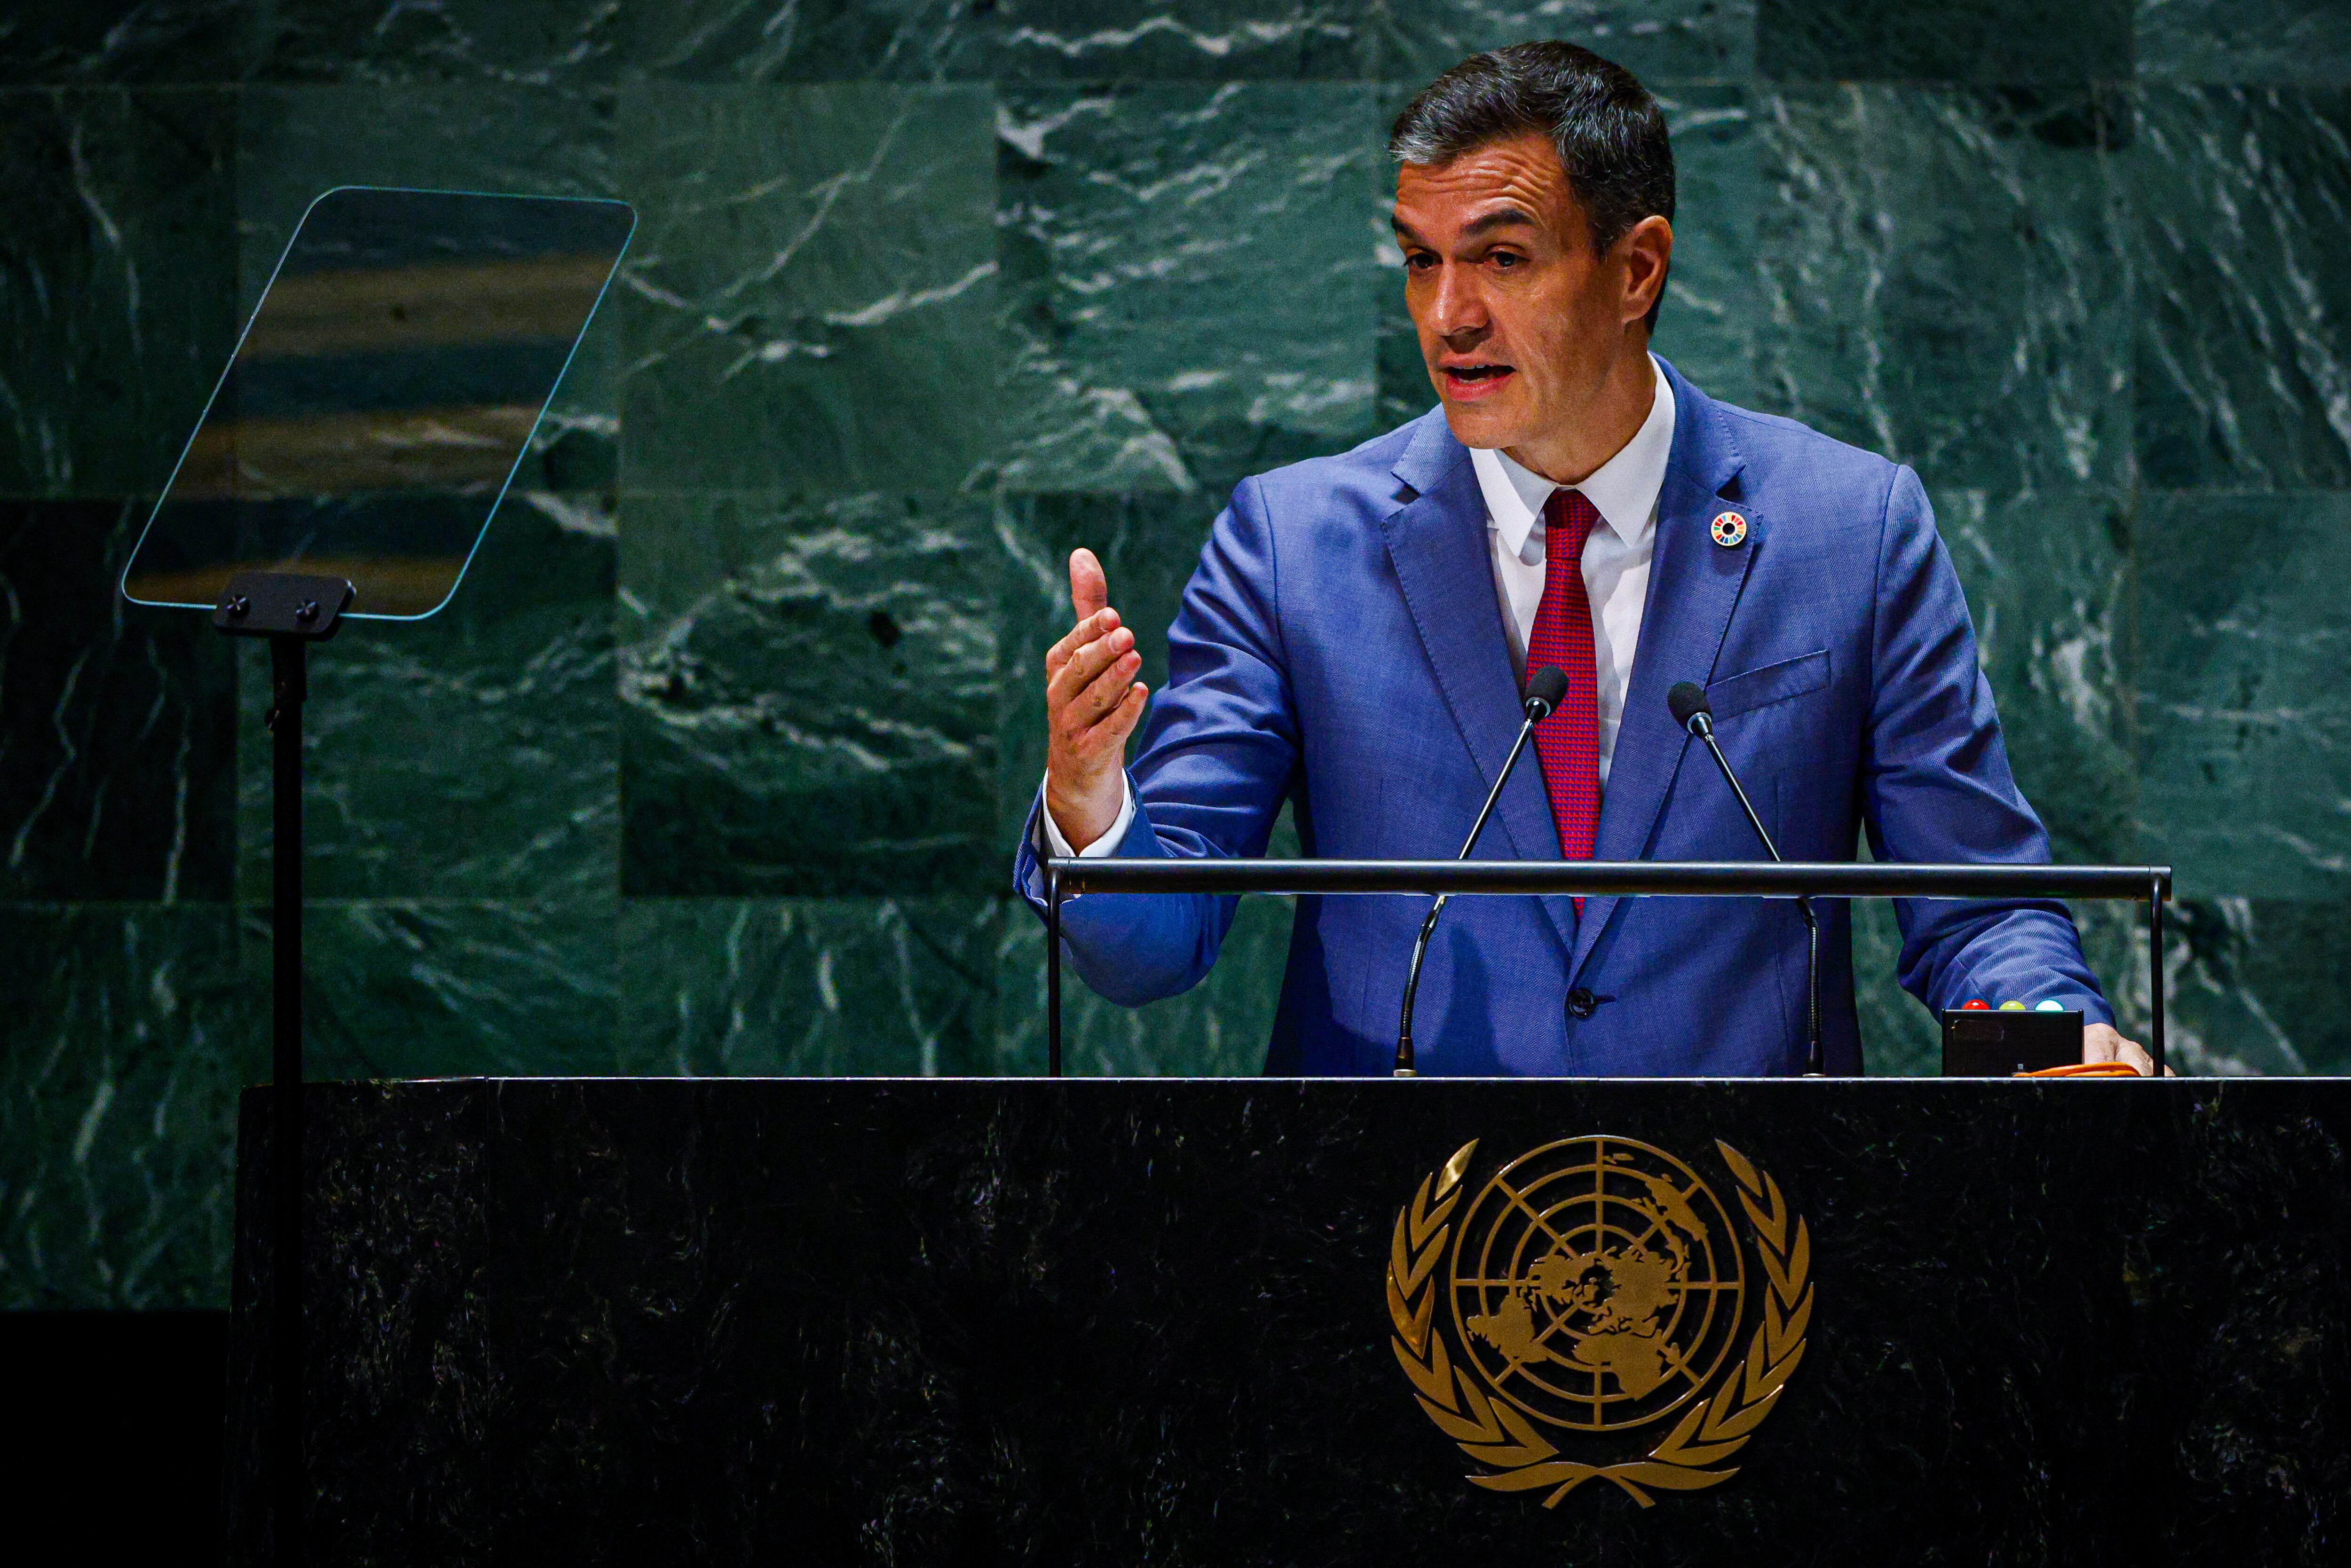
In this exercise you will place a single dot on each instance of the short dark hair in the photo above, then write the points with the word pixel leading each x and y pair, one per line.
pixel 1608 129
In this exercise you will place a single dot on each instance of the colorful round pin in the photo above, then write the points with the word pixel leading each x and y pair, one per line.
pixel 1975 1003
pixel 2011 1007
pixel 2049 1005
pixel 1729 530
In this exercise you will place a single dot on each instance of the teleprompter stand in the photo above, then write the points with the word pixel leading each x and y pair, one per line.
pixel 1618 879
pixel 292 612
pixel 375 412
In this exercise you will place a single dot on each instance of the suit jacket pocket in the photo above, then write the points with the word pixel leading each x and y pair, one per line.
pixel 1771 684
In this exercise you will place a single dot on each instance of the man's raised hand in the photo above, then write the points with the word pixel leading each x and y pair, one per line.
pixel 1092 703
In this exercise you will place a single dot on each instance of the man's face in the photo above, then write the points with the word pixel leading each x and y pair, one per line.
pixel 1520 322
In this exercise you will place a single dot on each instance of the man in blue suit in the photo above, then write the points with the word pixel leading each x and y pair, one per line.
pixel 1355 640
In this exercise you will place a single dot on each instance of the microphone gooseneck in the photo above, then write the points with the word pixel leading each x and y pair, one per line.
pixel 1545 687
pixel 1691 710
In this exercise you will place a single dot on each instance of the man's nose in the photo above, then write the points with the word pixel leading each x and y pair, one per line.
pixel 1458 312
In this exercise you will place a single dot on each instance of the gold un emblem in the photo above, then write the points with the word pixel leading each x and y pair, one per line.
pixel 1591 1313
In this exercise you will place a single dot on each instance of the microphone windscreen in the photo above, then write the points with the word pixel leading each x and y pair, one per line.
pixel 1547 685
pixel 1688 700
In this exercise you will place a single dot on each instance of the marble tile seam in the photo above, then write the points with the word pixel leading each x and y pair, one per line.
pixel 654 81
pixel 438 901
pixel 1012 92
pixel 802 493
pixel 1990 84
pixel 2131 495
pixel 102 905
pixel 620 76
pixel 807 493
pixel 2237 492
pixel 1030 87
pixel 586 903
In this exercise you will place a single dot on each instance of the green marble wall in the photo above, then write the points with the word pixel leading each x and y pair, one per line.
pixel 713 765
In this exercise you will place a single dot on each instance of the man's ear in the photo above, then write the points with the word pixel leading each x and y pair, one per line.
pixel 1647 249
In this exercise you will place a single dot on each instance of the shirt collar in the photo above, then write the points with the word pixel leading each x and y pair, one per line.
pixel 1624 490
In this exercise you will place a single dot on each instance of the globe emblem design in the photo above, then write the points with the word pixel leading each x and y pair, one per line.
pixel 1596 1284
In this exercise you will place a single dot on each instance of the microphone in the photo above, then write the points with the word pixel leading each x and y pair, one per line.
pixel 1694 714
pixel 1545 687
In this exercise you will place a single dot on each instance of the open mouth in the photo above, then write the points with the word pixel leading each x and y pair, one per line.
pixel 1476 380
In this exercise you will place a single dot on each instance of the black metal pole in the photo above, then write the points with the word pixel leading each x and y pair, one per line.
pixel 289 687
pixel 1815 1059
pixel 1802 880
pixel 1407 1056
pixel 2157 894
pixel 1406 1059
pixel 1610 879
pixel 1052 970
pixel 1816 1064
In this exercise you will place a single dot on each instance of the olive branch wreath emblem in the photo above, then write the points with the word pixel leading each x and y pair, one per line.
pixel 1519 1458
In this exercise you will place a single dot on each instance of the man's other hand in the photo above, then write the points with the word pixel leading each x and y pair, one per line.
pixel 2101 1043
pixel 1092 703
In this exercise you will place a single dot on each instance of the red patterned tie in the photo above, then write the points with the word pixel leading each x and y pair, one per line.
pixel 1569 740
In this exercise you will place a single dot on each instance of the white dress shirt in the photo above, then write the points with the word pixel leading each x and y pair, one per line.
pixel 1624 491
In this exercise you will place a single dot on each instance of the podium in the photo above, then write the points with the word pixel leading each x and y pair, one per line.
pixel 847 1321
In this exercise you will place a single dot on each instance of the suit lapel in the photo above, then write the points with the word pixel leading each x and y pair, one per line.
pixel 1437 539
pixel 1694 584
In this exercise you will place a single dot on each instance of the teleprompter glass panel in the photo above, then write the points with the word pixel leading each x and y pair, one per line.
pixel 382 395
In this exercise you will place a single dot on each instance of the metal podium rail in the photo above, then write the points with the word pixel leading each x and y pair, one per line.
pixel 1066 878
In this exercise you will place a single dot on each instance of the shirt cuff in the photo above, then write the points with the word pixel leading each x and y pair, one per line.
pixel 1102 848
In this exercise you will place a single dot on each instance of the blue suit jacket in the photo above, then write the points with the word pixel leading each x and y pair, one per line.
pixel 1342 646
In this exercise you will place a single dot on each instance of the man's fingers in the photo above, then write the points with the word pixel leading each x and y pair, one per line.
pixel 1088 589
pixel 2104 1042
pixel 1107 734
pixel 1101 623
pixel 1099 695
pixel 1084 666
pixel 1091 703
pixel 1123 719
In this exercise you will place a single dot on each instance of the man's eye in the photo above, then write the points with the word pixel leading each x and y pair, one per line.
pixel 1419 261
pixel 1506 259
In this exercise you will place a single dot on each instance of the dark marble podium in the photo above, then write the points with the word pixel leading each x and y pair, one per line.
pixel 820 1321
